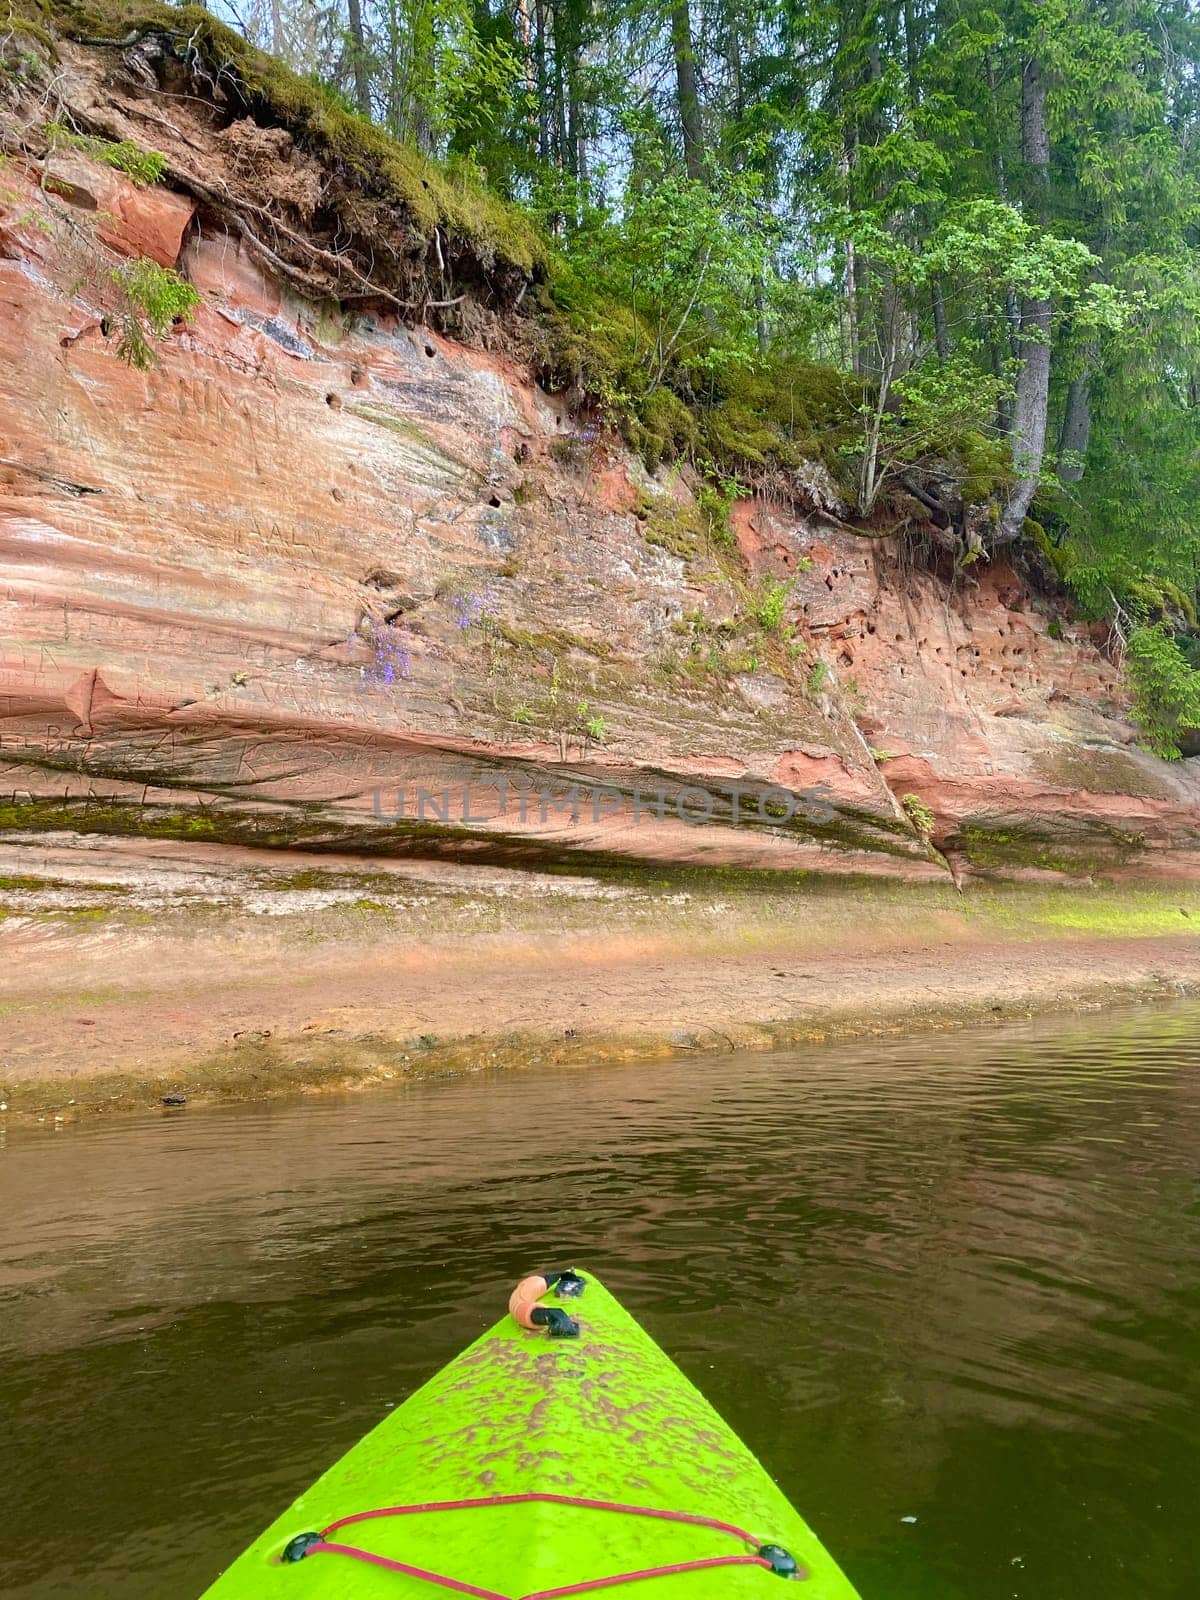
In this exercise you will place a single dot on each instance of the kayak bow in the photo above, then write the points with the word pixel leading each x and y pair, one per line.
pixel 562 1453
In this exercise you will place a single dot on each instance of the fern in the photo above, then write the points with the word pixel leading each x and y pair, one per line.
pixel 919 814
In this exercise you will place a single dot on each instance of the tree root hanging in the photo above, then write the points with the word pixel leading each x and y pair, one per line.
pixel 231 211
pixel 329 272
pixel 134 36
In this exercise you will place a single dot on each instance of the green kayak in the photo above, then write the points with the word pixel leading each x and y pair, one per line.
pixel 561 1454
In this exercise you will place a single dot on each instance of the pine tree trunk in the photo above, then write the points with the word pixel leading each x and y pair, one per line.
pixel 687 91
pixel 1033 381
pixel 579 137
pixel 1076 428
pixel 576 146
pixel 940 333
pixel 543 87
pixel 562 159
pixel 358 58
pixel 524 29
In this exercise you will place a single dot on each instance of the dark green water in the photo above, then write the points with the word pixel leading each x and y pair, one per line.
pixel 955 1280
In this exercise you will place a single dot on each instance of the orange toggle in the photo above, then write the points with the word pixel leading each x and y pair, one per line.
pixel 524 1298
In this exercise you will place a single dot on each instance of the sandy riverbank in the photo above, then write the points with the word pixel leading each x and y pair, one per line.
pixel 131 970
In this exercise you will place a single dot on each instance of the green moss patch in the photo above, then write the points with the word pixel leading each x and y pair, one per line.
pixel 123 155
pixel 671 525
pixel 1093 849
pixel 761 423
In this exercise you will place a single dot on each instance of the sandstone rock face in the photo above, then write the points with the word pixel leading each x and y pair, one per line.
pixel 132 219
pixel 311 563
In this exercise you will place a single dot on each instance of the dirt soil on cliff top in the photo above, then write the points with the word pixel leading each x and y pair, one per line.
pixel 129 971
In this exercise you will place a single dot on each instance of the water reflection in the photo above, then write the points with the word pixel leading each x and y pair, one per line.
pixel 955 1279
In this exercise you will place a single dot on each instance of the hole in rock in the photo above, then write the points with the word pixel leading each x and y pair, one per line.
pixel 381 578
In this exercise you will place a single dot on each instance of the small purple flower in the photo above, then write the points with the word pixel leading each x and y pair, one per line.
pixel 392 659
pixel 472 608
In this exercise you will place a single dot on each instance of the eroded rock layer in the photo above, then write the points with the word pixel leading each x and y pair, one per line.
pixel 314 562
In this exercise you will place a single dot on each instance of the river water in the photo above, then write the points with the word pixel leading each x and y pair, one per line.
pixel 947 1288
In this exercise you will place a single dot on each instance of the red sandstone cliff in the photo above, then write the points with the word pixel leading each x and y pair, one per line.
pixel 314 555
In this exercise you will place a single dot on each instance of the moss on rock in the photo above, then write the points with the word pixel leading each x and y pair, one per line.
pixel 1094 849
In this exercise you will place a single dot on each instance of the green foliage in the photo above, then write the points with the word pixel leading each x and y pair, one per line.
pixel 1113 583
pixel 152 298
pixel 445 76
pixel 990 245
pixel 997 256
pixel 919 814
pixel 1166 689
pixel 593 725
pixel 770 603
pixel 715 505
pixel 679 253
pixel 937 412
pixel 143 166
